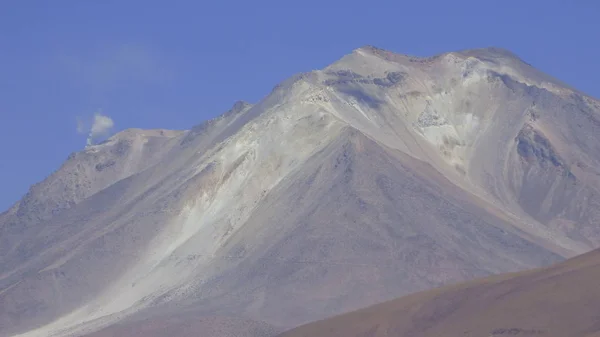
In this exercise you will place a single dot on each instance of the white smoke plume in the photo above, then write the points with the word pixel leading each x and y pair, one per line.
pixel 100 127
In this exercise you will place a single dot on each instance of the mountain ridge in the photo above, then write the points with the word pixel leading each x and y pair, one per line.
pixel 387 176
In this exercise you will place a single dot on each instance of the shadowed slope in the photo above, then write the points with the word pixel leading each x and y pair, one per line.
pixel 562 300
pixel 359 223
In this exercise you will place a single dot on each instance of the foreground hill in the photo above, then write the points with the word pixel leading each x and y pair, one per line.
pixel 376 177
pixel 562 300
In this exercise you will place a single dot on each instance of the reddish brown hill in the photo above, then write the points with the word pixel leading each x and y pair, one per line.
pixel 559 301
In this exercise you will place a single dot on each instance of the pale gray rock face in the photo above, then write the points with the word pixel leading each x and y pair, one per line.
pixel 380 175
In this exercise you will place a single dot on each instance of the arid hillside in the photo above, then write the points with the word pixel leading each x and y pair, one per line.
pixel 559 301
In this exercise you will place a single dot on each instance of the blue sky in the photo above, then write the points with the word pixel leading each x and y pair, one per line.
pixel 159 64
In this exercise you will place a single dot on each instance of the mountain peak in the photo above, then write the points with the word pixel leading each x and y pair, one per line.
pixel 238 106
pixel 383 53
pixel 135 133
pixel 370 48
pixel 367 61
pixel 484 53
pixel 490 54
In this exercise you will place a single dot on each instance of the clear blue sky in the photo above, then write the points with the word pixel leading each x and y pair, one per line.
pixel 173 64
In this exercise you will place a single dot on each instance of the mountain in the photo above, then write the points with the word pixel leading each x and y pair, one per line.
pixel 562 300
pixel 378 176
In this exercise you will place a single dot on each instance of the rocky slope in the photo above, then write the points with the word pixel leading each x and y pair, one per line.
pixel 378 176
